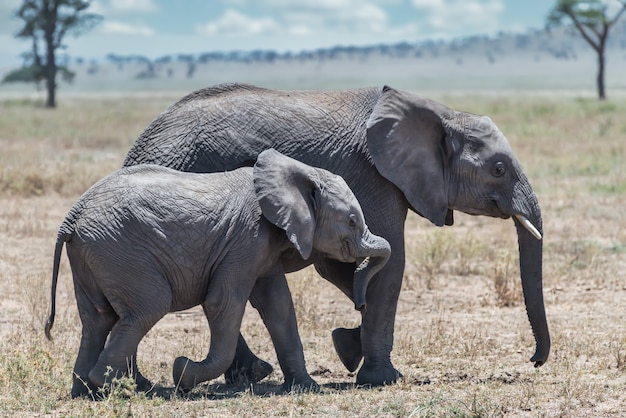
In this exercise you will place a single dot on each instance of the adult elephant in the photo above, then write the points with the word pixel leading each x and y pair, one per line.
pixel 396 151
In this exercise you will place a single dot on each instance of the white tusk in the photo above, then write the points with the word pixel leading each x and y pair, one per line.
pixel 363 264
pixel 531 228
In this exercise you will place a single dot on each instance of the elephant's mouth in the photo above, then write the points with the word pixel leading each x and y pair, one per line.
pixel 345 254
pixel 498 212
pixel 520 217
pixel 491 208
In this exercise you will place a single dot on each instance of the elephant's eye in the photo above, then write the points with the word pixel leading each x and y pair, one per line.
pixel 352 220
pixel 498 169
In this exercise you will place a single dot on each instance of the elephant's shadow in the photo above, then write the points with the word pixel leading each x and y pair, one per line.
pixel 219 391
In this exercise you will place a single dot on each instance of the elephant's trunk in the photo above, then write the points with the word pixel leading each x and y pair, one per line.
pixel 376 251
pixel 530 257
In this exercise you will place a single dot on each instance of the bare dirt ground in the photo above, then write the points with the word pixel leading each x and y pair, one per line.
pixel 462 339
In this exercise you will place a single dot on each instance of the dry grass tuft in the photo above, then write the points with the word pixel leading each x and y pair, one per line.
pixel 506 280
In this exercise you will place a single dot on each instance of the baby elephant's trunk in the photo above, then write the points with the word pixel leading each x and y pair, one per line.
pixel 375 251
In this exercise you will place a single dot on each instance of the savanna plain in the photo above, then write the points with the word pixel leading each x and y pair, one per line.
pixel 462 338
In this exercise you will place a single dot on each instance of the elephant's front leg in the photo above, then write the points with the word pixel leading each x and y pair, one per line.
pixel 347 341
pixel 272 298
pixel 377 326
pixel 376 331
pixel 224 310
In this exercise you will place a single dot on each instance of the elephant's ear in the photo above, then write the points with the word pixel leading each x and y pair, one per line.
pixel 406 139
pixel 286 190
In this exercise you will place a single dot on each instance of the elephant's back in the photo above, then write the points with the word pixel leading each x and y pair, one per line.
pixel 153 197
pixel 227 126
pixel 241 97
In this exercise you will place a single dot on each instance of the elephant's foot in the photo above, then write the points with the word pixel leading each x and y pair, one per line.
pixel 300 384
pixel 101 376
pixel 377 374
pixel 347 344
pixel 184 372
pixel 247 369
pixel 143 384
pixel 187 373
pixel 83 388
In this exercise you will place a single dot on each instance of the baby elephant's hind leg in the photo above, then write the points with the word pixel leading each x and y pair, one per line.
pixel 97 322
pixel 246 366
pixel 119 355
pixel 94 335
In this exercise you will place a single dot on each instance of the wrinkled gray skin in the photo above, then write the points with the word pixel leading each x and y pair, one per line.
pixel 396 151
pixel 149 240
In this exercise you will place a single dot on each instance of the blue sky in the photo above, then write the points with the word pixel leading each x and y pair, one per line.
pixel 159 27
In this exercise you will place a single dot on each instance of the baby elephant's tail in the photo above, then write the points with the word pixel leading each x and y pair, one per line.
pixel 62 237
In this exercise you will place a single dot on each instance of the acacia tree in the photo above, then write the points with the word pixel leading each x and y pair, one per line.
pixel 590 19
pixel 47 22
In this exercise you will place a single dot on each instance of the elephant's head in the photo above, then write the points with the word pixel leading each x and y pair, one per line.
pixel 445 160
pixel 317 210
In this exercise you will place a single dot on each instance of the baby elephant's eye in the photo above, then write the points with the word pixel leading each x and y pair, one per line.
pixel 498 169
pixel 352 221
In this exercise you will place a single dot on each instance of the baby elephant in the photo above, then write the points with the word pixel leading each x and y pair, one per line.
pixel 148 240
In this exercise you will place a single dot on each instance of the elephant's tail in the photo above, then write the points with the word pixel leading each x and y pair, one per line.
pixel 62 237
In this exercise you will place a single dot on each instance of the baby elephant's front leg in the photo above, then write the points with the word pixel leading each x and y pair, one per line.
pixel 224 311
pixel 272 298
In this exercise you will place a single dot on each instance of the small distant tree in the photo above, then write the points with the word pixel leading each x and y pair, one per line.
pixel 590 19
pixel 47 22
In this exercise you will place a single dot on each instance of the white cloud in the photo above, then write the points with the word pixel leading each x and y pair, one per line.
pixel 315 4
pixel 300 30
pixel 125 6
pixel 98 8
pixel 8 22
pixel 8 7
pixel 330 10
pixel 111 27
pixel 233 23
pixel 319 4
pixel 367 14
pixel 307 22
pixel 461 15
pixel 122 7
pixel 115 12
pixel 612 7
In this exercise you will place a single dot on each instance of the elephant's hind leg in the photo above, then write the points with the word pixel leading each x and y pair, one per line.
pixel 119 357
pixel 97 321
pixel 92 341
pixel 246 366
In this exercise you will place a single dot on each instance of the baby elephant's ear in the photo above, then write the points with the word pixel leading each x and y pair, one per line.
pixel 287 191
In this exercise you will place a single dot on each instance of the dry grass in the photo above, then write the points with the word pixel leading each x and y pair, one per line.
pixel 462 339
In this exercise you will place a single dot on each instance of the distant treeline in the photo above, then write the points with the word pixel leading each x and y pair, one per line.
pixel 556 43
pixel 561 43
